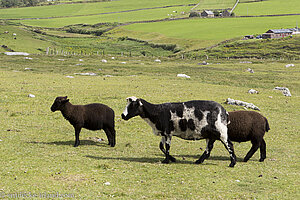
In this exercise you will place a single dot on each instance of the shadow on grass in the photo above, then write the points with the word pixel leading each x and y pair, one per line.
pixel 212 157
pixel 71 143
pixel 143 160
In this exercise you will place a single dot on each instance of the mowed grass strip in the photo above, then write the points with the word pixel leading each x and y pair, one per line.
pixel 36 147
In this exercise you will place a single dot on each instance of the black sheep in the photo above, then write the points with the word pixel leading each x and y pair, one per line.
pixel 249 126
pixel 94 116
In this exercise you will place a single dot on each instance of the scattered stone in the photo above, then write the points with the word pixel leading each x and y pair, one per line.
pixel 108 75
pixel 203 63
pixel 289 65
pixel 238 181
pixel 107 183
pixel 112 58
pixel 79 64
pixel 247 62
pixel 61 59
pixel 250 70
pixel 86 74
pixel 183 76
pixel 70 76
pixel 31 95
pixel 1 140
pixel 270 97
pixel 123 62
pixel 241 103
pixel 104 61
pixel 285 91
pixel 157 60
pixel 16 53
pixel 27 58
pixel 252 91
pixel 28 69
pixel 80 60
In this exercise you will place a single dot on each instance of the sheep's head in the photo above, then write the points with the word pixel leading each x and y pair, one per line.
pixel 59 102
pixel 133 108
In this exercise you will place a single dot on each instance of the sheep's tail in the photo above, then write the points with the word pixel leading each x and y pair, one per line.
pixel 267 125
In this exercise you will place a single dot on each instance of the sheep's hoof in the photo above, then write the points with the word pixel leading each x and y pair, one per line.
pixel 165 161
pixel 172 159
pixel 261 160
pixel 232 164
pixel 112 145
pixel 199 161
pixel 76 144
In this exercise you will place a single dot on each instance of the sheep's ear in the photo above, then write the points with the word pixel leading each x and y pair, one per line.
pixel 140 102
pixel 65 100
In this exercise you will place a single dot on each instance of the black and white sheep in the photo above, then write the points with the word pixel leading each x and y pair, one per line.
pixel 191 120
pixel 94 116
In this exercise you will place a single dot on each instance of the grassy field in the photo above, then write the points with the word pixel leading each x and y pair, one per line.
pixel 270 7
pixel 123 17
pixel 206 31
pixel 86 8
pixel 31 42
pixel 36 145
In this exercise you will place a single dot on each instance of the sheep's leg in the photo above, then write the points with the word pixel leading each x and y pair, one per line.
pixel 206 153
pixel 167 142
pixel 161 146
pixel 77 132
pixel 113 139
pixel 229 146
pixel 110 134
pixel 262 151
pixel 255 146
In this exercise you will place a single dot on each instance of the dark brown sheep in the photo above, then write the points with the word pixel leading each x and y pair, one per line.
pixel 249 126
pixel 94 116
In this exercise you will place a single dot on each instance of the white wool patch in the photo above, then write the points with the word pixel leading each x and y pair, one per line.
pixel 189 113
pixel 222 128
pixel 133 98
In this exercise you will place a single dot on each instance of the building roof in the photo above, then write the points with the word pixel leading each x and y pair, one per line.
pixel 278 31
pixel 295 29
pixel 208 12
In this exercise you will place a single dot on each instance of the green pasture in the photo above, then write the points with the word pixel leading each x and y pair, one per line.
pixel 36 145
pixel 205 32
pixel 270 7
pixel 64 10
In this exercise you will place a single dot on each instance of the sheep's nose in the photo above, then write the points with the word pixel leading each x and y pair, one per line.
pixel 123 116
